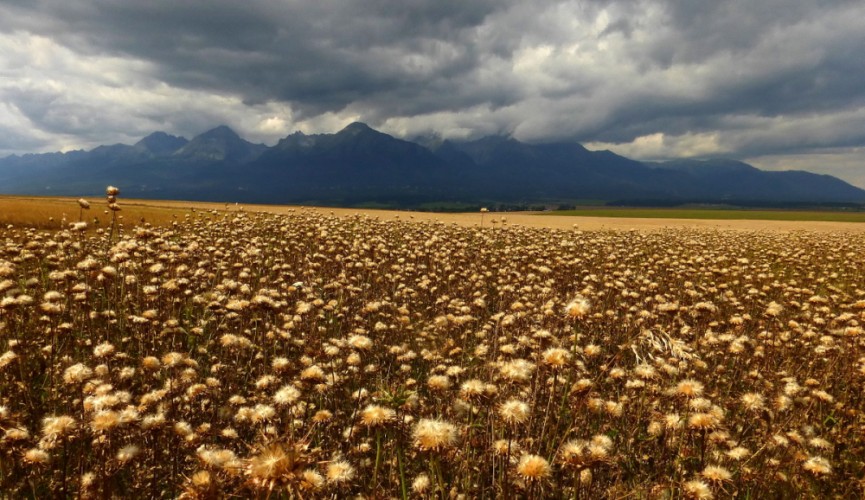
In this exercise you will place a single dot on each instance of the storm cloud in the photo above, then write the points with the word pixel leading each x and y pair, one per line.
pixel 775 82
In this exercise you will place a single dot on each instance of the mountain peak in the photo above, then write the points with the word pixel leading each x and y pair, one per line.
pixel 160 143
pixel 221 132
pixel 355 128
pixel 220 144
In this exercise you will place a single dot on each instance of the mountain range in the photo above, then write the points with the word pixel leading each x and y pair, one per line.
pixel 359 165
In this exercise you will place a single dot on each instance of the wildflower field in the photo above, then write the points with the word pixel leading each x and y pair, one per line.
pixel 306 355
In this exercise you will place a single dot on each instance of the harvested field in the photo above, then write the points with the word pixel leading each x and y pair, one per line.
pixel 37 212
pixel 58 213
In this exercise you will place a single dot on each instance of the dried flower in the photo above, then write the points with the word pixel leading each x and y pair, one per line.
pixel 434 435
pixel 375 416
pixel 533 468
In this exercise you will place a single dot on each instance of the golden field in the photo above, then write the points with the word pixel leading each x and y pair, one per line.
pixel 307 353
pixel 59 212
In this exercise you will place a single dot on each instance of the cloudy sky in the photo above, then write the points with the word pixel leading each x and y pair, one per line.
pixel 778 83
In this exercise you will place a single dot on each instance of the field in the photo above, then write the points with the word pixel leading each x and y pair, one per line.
pixel 300 353
pixel 58 213
pixel 717 214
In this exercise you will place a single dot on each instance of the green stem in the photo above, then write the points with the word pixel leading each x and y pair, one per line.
pixel 438 474
pixel 377 458
pixel 403 486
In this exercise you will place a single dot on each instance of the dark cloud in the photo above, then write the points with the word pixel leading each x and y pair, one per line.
pixel 13 139
pixel 321 56
pixel 657 78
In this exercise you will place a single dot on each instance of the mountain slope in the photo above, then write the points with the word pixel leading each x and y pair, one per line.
pixel 720 180
pixel 556 170
pixel 354 165
pixel 360 165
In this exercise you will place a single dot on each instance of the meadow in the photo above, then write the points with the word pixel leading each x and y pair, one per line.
pixel 717 214
pixel 316 353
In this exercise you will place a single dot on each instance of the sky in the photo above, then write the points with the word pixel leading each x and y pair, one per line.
pixel 777 83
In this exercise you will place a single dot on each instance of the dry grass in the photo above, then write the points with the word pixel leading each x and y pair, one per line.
pixel 535 220
pixel 307 354
pixel 58 213
pixel 38 212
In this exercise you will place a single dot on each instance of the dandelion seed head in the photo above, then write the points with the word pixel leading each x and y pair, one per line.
pixel 434 434
pixel 340 472
pixel 103 350
pixel 556 357
pixel 439 382
pixel 738 453
pixel 753 401
pixel 577 308
pixel 689 388
pixel 16 434
pixel 716 474
pixel 420 484
pixel 375 416
pixel 105 420
pixel 592 350
pixel 702 421
pixel 514 412
pixel 573 452
pixel 698 490
pixel 312 373
pixel 533 468
pixel 58 426
pixel 36 456
pixel 127 453
pixel 322 416
pixel 518 370
pixel 280 364
pixel 699 404
pixel 150 363
pixel 77 373
pixel 472 389
pixel 360 342
pixel 820 443
pixel 311 480
pixel 818 466
pixel 286 395
pixel 503 447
